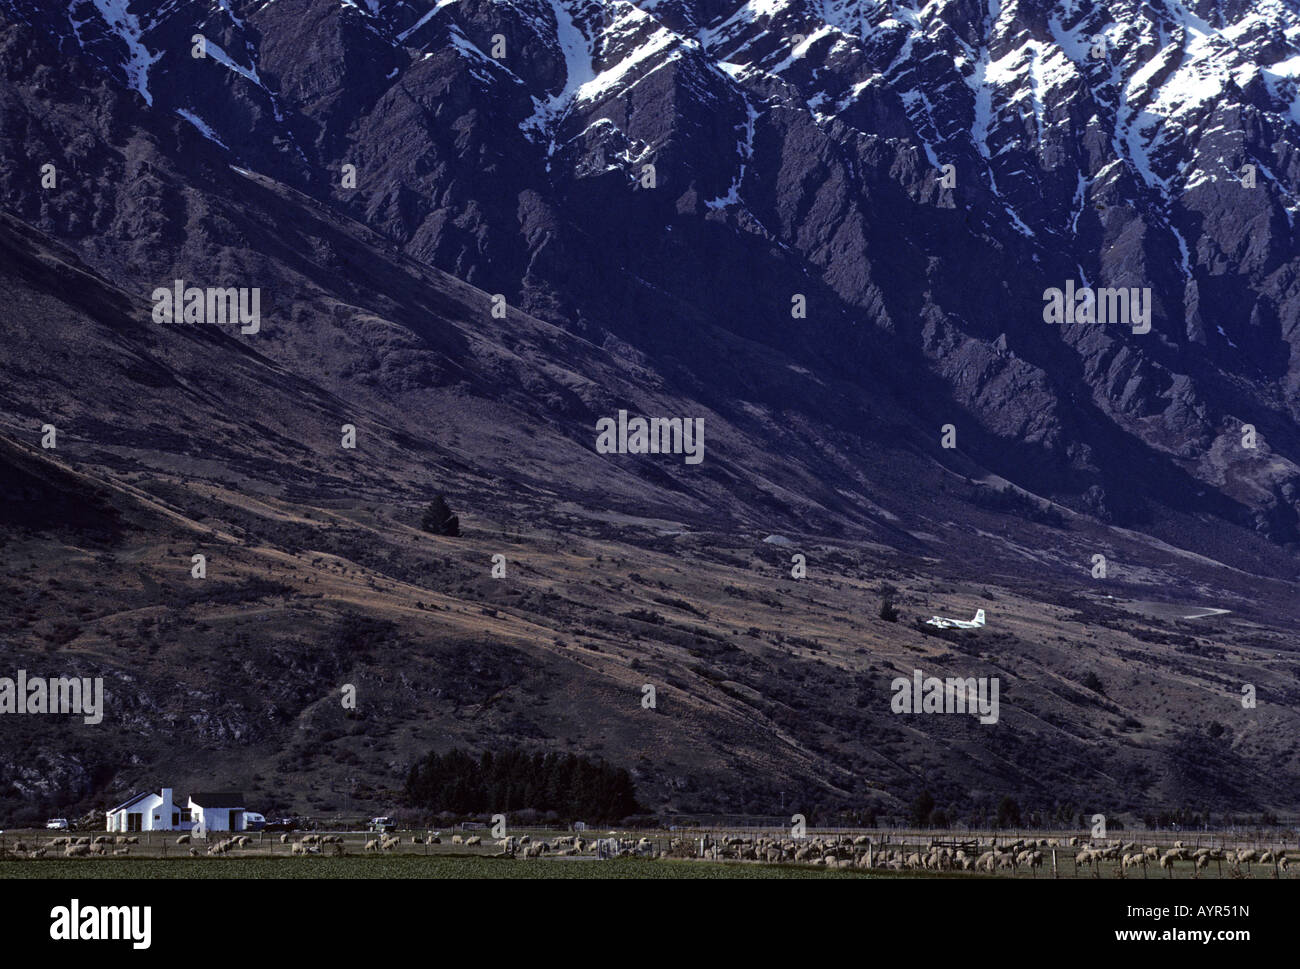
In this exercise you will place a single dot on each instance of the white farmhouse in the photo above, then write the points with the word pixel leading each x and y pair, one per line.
pixel 202 813
pixel 148 812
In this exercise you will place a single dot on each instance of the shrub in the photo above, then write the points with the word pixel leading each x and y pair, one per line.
pixel 438 518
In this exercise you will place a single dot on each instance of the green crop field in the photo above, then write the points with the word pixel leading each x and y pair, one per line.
pixel 401 866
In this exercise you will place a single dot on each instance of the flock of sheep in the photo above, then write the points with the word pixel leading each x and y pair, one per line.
pixel 76 847
pixel 1029 855
pixel 1119 859
pixel 1131 855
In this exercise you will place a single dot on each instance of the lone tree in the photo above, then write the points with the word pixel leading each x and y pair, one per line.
pixel 922 808
pixel 438 518
pixel 887 610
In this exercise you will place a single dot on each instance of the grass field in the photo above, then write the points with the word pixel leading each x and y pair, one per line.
pixel 157 855
pixel 404 866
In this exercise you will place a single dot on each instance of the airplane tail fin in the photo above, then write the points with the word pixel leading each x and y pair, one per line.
pixel 979 617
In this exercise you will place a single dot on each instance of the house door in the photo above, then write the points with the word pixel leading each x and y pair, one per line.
pixel 236 820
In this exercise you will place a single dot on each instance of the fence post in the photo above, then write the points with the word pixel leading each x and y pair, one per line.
pixel 1054 873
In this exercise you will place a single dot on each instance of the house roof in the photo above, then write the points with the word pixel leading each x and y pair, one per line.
pixel 218 800
pixel 131 800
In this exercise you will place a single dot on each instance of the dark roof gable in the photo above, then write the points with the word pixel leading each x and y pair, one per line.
pixel 228 799
pixel 129 801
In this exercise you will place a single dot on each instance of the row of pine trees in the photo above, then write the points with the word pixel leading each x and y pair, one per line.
pixel 575 787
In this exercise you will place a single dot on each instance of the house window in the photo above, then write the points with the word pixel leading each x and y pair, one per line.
pixel 176 818
pixel 134 821
pixel 185 814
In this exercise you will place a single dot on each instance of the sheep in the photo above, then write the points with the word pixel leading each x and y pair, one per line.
pixel 60 842
pixel 1035 862
pixel 122 851
pixel 1167 862
pixel 194 852
pixel 183 839
pixel 20 846
pixel 39 852
pixel 476 840
pixel 457 839
pixel 99 849
pixel 1202 861
pixel 74 851
pixel 133 840
pixel 1247 856
pixel 284 838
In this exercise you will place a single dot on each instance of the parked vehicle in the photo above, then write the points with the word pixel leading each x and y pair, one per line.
pixel 57 824
pixel 382 824
pixel 254 821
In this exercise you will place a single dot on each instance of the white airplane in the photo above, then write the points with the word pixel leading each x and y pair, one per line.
pixel 943 623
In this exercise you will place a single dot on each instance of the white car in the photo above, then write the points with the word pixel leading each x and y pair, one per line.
pixel 57 824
